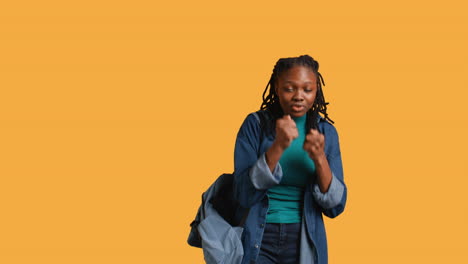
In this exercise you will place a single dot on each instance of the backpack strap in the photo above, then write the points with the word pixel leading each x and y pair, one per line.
pixel 261 119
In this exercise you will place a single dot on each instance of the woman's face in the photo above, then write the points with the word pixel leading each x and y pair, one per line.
pixel 296 90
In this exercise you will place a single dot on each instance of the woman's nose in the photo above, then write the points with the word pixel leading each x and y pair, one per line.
pixel 298 96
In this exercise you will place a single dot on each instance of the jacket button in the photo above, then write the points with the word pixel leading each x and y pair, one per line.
pixel 262 225
pixel 256 245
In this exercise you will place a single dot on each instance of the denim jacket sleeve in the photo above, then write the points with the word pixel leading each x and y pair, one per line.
pixel 333 201
pixel 252 176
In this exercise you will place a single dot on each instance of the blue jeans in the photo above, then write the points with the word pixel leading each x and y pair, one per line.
pixel 280 244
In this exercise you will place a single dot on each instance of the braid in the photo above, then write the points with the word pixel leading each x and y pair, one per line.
pixel 271 102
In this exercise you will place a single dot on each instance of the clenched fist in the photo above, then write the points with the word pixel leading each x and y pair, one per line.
pixel 314 144
pixel 286 131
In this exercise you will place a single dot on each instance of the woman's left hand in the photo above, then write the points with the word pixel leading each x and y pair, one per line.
pixel 314 144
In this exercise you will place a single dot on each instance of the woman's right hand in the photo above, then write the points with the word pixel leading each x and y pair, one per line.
pixel 286 131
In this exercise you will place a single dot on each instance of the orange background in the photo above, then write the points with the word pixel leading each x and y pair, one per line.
pixel 115 116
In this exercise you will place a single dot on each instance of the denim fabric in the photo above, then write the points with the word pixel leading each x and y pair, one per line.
pixel 214 230
pixel 280 244
pixel 252 178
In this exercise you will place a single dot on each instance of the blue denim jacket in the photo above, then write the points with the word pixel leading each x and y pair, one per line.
pixel 252 179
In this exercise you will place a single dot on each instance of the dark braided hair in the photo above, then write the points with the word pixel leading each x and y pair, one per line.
pixel 271 102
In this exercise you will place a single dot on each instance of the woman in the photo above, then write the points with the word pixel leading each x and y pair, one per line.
pixel 288 168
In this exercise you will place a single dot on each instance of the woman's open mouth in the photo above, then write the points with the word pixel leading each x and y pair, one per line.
pixel 297 108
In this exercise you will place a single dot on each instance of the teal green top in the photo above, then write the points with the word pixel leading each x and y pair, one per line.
pixel 286 199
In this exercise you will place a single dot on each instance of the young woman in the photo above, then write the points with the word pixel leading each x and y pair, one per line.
pixel 288 169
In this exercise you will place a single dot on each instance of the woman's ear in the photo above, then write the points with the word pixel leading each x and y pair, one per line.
pixel 276 87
